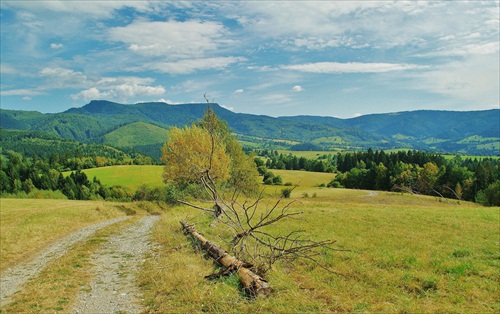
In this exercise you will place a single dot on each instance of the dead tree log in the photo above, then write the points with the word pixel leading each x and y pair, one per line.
pixel 254 285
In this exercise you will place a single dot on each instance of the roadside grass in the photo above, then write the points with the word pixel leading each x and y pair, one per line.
pixel 55 289
pixel 406 253
pixel 28 225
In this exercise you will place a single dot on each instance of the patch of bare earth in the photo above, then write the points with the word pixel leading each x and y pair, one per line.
pixel 113 288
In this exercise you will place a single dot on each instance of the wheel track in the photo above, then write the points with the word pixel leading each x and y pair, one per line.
pixel 12 279
pixel 113 287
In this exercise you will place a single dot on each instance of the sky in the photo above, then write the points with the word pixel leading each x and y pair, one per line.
pixel 276 58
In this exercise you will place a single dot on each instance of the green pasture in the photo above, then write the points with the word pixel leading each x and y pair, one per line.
pixel 127 176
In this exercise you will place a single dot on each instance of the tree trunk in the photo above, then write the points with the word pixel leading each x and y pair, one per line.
pixel 254 285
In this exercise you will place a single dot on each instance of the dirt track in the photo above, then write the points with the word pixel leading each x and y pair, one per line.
pixel 112 288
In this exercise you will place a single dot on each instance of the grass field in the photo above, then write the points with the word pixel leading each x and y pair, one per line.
pixel 406 253
pixel 127 176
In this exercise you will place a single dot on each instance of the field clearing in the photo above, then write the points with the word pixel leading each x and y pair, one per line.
pixel 127 176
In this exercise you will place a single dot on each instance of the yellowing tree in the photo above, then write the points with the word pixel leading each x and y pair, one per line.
pixel 207 150
pixel 191 151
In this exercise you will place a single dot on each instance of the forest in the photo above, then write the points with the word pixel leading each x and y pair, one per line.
pixel 411 171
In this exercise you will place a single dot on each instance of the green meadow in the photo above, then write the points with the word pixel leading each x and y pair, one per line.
pixel 394 252
pixel 127 176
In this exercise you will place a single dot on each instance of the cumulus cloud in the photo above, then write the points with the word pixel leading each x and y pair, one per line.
pixel 119 92
pixel 170 39
pixel 239 91
pixel 63 78
pixel 350 67
pixel 56 45
pixel 297 88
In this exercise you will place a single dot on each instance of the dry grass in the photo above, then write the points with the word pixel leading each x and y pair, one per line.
pixel 407 254
pixel 28 225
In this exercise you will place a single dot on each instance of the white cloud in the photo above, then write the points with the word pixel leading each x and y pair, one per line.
pixel 56 45
pixel 88 9
pixel 272 99
pixel 297 88
pixel 171 39
pixel 239 91
pixel 169 102
pixel 350 67
pixel 120 92
pixel 228 108
pixel 26 98
pixel 63 78
pixel 21 92
pixel 469 81
pixel 318 25
pixel 187 66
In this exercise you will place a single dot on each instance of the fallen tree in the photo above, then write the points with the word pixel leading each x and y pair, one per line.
pixel 255 286
pixel 257 242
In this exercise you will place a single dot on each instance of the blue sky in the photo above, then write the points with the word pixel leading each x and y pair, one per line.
pixel 277 58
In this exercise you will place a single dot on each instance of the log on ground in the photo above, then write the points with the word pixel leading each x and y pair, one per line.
pixel 254 285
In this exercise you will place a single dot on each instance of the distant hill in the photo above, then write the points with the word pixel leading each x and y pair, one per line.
pixel 143 126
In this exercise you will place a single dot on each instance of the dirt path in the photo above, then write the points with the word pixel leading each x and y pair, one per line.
pixel 12 279
pixel 112 289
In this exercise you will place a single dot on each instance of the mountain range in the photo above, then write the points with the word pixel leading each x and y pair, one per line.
pixel 142 127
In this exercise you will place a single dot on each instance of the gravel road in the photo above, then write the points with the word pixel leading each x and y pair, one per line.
pixel 12 279
pixel 113 288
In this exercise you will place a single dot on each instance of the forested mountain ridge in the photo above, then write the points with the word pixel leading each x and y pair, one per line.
pixel 471 132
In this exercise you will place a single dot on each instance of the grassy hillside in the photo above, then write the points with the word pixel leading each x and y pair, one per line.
pixel 443 131
pixel 136 134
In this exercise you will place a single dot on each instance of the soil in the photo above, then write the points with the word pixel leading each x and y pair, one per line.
pixel 113 286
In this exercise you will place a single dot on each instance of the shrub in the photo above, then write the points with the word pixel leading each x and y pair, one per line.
pixel 286 193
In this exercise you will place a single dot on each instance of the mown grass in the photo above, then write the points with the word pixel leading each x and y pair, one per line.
pixel 28 225
pixel 406 254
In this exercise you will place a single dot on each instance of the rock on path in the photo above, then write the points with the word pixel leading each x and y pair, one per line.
pixel 112 289
pixel 12 279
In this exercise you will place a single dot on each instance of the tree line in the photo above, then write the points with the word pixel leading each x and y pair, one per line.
pixel 24 177
pixel 469 179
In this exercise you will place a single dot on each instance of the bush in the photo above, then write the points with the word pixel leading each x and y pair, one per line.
pixel 490 196
pixel 286 193
pixel 335 184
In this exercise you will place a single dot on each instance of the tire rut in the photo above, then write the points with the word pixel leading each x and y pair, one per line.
pixel 113 287
pixel 12 279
